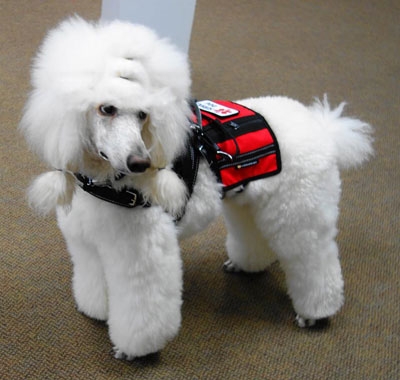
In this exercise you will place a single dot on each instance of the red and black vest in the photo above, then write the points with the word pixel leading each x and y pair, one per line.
pixel 237 142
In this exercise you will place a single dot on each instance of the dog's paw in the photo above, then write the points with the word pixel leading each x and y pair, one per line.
pixel 142 360
pixel 120 355
pixel 51 189
pixel 304 322
pixel 315 324
pixel 230 267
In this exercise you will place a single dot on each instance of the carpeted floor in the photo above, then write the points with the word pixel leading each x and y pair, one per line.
pixel 234 326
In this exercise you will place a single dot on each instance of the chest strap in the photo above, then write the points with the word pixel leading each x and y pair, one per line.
pixel 185 166
pixel 126 197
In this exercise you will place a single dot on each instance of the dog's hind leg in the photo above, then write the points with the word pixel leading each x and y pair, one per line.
pixel 314 279
pixel 247 248
pixel 300 225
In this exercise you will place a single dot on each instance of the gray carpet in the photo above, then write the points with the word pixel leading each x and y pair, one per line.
pixel 234 326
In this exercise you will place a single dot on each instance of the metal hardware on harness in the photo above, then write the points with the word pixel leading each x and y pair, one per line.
pixel 132 203
pixel 126 197
pixel 203 140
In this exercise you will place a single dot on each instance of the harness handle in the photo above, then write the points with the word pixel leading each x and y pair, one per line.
pixel 204 139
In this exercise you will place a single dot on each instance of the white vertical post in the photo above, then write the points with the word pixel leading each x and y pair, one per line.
pixel 169 18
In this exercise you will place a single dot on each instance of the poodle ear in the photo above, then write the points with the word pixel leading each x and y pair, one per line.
pixel 165 189
pixel 51 189
pixel 53 132
pixel 170 82
pixel 53 120
pixel 169 126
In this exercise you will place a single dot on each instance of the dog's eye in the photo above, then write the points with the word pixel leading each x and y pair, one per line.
pixel 142 115
pixel 107 110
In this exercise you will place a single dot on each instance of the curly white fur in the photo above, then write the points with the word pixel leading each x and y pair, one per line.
pixel 111 98
pixel 49 190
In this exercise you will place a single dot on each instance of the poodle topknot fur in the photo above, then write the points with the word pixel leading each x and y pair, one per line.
pixel 113 98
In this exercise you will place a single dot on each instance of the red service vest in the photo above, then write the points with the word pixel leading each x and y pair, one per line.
pixel 245 147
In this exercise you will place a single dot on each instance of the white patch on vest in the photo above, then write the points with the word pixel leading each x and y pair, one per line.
pixel 216 109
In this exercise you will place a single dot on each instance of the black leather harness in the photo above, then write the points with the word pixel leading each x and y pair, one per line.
pixel 185 166
pixel 126 197
pixel 206 141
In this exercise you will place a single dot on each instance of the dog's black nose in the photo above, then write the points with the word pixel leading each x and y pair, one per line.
pixel 137 164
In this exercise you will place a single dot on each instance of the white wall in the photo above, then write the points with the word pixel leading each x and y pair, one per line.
pixel 169 18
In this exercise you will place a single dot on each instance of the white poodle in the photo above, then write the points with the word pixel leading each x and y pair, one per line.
pixel 109 111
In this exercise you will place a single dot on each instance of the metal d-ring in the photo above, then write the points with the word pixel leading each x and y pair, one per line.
pixel 222 153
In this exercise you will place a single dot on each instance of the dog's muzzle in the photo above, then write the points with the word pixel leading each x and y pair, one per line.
pixel 137 164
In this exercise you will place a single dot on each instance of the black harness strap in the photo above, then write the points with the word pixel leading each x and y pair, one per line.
pixel 126 197
pixel 185 166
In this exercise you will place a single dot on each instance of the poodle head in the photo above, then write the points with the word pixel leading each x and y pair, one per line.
pixel 108 97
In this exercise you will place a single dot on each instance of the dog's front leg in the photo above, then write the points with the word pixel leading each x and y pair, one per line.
pixel 144 277
pixel 88 283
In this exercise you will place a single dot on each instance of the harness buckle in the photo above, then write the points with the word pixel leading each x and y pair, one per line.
pixel 133 200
